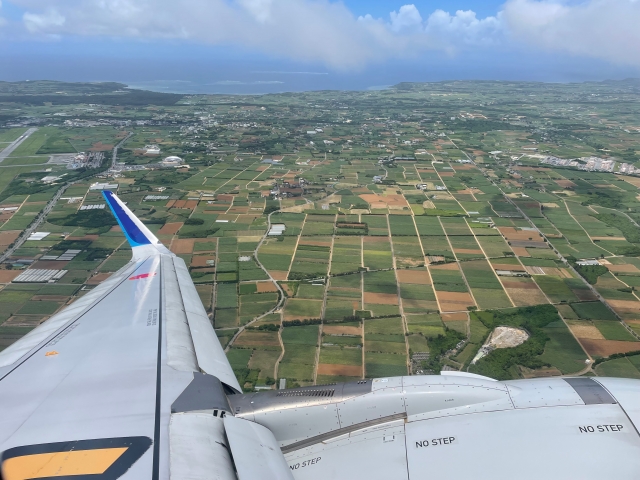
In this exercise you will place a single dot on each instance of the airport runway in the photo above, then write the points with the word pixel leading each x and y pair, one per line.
pixel 12 146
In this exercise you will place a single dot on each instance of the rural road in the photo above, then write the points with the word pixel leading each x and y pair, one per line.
pixel 114 159
pixel 281 300
pixel 12 146
pixel 36 223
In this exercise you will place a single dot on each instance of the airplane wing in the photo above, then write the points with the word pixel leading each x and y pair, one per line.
pixel 129 381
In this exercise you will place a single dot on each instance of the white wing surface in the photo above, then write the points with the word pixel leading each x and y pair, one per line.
pixel 120 380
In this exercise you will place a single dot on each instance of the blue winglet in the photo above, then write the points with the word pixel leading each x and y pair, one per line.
pixel 126 220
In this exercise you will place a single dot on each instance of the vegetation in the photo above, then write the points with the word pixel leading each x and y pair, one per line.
pixel 498 363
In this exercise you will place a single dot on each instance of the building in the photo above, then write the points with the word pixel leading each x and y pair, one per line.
pixel 172 161
pixel 49 179
pixel 293 191
pixel 104 186
pixel 587 263
pixel 277 229
pixel 152 150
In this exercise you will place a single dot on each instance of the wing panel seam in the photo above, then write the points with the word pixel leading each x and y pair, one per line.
pixel 44 343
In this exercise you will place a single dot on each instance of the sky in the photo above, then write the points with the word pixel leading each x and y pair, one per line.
pixel 263 46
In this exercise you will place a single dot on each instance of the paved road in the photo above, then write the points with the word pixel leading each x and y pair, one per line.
pixel 36 223
pixel 114 159
pixel 12 146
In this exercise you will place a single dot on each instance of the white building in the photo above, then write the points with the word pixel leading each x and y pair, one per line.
pixel 172 160
pixel 104 186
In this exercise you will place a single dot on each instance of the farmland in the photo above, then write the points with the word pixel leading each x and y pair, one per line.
pixel 408 228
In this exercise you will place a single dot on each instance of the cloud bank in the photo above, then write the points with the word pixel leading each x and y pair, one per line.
pixel 604 29
pixel 326 32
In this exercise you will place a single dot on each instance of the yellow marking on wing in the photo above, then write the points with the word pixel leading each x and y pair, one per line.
pixel 60 464
pixel 51 353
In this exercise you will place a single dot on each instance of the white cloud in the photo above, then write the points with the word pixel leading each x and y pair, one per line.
pixel 605 29
pixel 326 32
pixel 408 18
pixel 260 9
pixel 51 19
pixel 464 28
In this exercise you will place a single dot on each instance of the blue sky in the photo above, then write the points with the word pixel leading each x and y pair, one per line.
pixel 260 46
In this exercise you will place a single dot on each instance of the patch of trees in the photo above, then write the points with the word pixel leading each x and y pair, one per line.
pixel 199 233
pixel 438 346
pixel 87 219
pixel 591 272
pixel 602 198
pixel 533 319
pixel 306 276
pixel 269 327
pixel 300 323
pixel 628 229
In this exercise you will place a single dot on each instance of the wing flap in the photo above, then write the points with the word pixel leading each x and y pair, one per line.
pixel 209 352
pixel 181 354
pixel 198 448
pixel 255 451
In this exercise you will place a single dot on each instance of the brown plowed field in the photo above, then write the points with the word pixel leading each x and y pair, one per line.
pixel 341 330
pixel 8 237
pixel 524 297
pixel 257 338
pixel 512 233
pixel 625 306
pixel 7 275
pixel 604 348
pixel 453 301
pixel 201 260
pixel 560 272
pixel 50 264
pixel 98 279
pixel 520 251
pixel 387 200
pixel 588 332
pixel 182 246
pixel 342 370
pixel 266 287
pixel 278 275
pixel 417 277
pixel 170 228
pixel 381 298
pixel 628 268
